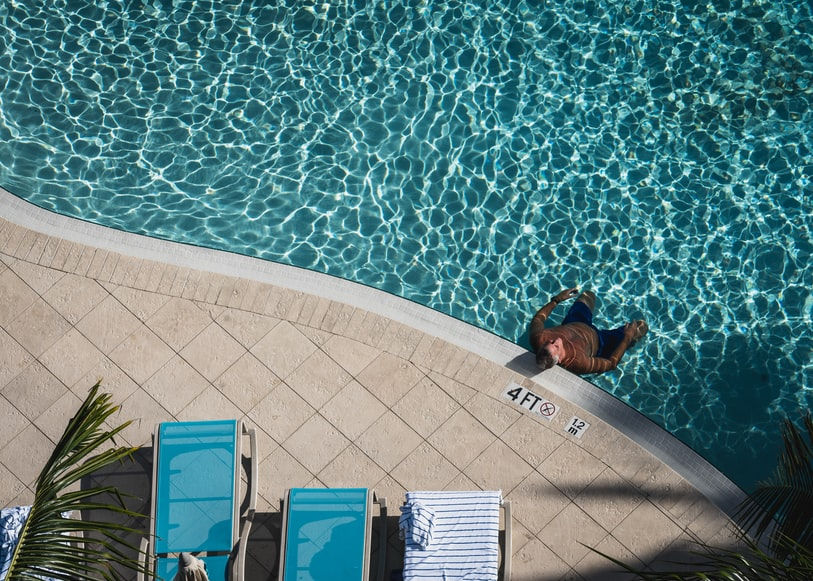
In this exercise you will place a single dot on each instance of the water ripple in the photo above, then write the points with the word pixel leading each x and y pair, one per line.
pixel 472 158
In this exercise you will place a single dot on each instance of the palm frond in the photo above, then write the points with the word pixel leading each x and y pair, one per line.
pixel 53 545
pixel 782 507
pixel 748 562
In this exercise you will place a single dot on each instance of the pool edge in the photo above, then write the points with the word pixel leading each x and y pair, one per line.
pixel 695 469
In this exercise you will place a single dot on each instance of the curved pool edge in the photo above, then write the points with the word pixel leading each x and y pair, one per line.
pixel 691 466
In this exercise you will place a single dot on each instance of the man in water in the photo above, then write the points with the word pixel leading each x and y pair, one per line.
pixel 576 344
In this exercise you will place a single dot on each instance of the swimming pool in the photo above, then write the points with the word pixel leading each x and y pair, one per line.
pixel 473 159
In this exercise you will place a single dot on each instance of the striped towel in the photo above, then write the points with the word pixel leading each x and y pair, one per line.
pixel 416 523
pixel 464 537
pixel 12 521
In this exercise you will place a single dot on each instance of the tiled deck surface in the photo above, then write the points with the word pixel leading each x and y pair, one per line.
pixel 341 396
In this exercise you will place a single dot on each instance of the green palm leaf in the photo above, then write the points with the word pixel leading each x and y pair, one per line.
pixel 747 562
pixel 51 544
pixel 782 507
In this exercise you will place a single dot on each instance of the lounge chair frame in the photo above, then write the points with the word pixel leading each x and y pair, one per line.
pixel 239 534
pixel 371 499
pixel 506 550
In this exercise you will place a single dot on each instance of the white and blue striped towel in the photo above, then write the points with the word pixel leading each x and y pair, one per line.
pixel 416 523
pixel 464 537
pixel 11 523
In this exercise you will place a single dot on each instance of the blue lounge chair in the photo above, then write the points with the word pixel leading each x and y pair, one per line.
pixel 326 534
pixel 196 498
pixel 453 535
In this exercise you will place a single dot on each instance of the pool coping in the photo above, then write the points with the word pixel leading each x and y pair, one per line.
pixel 690 465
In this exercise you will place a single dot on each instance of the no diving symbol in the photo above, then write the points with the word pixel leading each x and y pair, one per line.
pixel 547 409
pixel 530 401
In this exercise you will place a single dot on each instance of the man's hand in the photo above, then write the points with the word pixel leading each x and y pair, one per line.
pixel 566 294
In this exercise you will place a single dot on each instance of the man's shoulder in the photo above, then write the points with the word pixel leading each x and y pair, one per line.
pixel 547 332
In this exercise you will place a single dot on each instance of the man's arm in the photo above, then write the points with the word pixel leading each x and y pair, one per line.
pixel 538 322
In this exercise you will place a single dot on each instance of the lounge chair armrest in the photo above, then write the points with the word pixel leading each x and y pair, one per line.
pixel 143 559
pixel 253 479
pixel 508 551
pixel 382 538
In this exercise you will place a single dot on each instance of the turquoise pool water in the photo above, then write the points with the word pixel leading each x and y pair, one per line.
pixel 473 159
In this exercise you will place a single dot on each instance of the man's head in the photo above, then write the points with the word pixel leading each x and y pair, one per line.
pixel 544 359
pixel 549 354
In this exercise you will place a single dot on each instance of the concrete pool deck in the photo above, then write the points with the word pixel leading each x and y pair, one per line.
pixel 347 386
